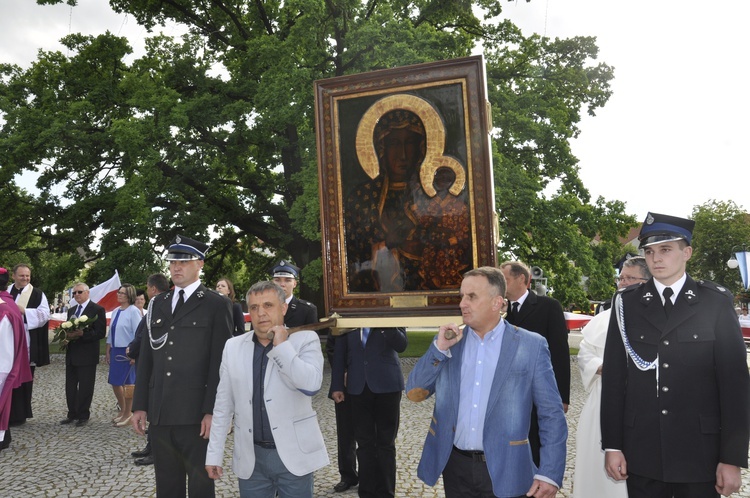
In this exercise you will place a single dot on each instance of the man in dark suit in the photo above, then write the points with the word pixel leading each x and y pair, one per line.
pixel 675 387
pixel 346 443
pixel 82 356
pixel 366 366
pixel 155 285
pixel 543 315
pixel 298 312
pixel 178 373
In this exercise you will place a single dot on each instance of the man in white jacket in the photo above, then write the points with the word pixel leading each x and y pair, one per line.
pixel 267 384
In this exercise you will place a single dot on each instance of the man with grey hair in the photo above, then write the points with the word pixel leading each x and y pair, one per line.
pixel 82 356
pixel 280 444
pixel 590 478
pixel 486 378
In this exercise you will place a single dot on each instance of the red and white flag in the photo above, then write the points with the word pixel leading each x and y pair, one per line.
pixel 105 294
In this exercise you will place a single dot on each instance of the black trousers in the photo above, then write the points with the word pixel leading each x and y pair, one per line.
pixel 376 419
pixel 179 452
pixel 346 442
pixel 644 487
pixel 79 390
pixel 20 405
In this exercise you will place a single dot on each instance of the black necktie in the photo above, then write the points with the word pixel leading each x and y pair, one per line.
pixel 668 300
pixel 513 312
pixel 180 302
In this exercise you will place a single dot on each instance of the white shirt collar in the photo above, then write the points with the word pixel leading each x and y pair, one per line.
pixel 521 299
pixel 188 290
pixel 676 287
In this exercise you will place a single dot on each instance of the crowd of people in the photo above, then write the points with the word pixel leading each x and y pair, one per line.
pixel 667 412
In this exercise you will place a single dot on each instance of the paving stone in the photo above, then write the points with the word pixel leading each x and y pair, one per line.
pixel 53 461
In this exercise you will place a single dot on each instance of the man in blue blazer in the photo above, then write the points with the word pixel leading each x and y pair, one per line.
pixel 374 382
pixel 486 385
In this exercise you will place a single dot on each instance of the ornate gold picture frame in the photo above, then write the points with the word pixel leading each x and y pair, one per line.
pixel 406 187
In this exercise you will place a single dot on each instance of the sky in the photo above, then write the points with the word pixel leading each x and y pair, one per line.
pixel 670 137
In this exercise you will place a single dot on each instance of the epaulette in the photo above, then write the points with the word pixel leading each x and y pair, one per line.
pixel 707 284
pixel 308 303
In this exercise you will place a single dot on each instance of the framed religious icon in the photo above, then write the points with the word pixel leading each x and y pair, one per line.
pixel 406 189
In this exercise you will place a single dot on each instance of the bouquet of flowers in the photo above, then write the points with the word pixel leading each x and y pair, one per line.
pixel 60 333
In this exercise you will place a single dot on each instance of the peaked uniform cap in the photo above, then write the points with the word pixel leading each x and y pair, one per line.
pixel 186 249
pixel 659 228
pixel 285 269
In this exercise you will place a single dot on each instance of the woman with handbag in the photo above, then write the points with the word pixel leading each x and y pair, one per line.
pixel 122 329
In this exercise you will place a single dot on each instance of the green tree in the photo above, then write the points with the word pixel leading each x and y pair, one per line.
pixel 213 134
pixel 720 226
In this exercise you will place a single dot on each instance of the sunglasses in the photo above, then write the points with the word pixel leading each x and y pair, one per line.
pixel 78 292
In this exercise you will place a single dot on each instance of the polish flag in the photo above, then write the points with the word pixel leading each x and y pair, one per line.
pixel 105 294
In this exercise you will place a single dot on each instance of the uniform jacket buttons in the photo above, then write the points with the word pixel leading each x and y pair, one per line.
pixel 665 412
pixel 665 389
pixel 666 342
pixel 169 374
pixel 665 365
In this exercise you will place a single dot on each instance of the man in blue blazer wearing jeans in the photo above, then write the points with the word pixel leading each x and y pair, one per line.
pixel 485 379
pixel 366 366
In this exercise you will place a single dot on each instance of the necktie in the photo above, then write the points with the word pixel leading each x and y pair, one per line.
pixel 365 335
pixel 513 312
pixel 668 300
pixel 79 311
pixel 180 302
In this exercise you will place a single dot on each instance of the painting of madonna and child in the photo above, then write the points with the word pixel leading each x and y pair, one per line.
pixel 410 177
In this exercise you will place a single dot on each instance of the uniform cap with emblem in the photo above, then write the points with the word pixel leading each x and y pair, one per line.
pixel 659 228
pixel 185 249
pixel 285 269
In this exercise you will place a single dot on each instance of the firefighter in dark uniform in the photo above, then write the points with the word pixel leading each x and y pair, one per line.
pixel 298 312
pixel 675 385
pixel 178 373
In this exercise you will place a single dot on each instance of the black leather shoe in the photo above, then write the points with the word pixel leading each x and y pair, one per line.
pixel 66 421
pixel 142 453
pixel 147 460
pixel 343 486
pixel 82 422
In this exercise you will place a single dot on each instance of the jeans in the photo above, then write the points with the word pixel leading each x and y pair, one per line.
pixel 270 476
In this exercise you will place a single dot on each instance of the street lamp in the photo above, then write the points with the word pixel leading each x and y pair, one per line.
pixel 741 259
pixel 733 263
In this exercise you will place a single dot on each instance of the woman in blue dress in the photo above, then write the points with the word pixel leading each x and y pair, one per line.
pixel 122 329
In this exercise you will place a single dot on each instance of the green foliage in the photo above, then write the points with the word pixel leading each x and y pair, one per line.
pixel 212 135
pixel 719 227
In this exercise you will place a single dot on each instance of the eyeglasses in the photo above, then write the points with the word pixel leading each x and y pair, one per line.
pixel 78 292
pixel 631 280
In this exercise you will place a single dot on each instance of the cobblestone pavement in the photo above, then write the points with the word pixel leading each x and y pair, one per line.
pixel 49 460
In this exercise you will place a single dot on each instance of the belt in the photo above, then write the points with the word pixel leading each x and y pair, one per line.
pixel 477 456
pixel 269 445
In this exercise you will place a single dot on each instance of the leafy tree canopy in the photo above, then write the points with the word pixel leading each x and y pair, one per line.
pixel 720 228
pixel 213 134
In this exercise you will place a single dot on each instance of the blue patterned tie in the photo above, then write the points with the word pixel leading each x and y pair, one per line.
pixel 365 335
pixel 79 310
